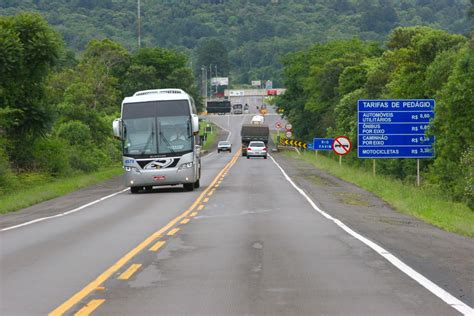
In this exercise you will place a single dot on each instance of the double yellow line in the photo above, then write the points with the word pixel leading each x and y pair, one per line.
pixel 96 284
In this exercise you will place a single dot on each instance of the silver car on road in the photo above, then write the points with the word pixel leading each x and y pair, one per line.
pixel 257 149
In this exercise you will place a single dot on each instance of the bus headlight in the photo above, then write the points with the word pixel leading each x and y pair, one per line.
pixel 186 165
pixel 130 169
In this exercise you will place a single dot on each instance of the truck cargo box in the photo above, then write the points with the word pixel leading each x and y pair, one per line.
pixel 220 107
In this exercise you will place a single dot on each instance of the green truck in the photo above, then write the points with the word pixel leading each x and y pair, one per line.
pixel 251 132
pixel 218 106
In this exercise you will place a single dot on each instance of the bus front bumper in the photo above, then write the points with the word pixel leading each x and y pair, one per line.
pixel 172 176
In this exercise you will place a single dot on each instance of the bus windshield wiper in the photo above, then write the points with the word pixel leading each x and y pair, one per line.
pixel 167 142
pixel 148 142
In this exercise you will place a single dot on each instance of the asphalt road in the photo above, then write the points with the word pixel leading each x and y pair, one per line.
pixel 246 243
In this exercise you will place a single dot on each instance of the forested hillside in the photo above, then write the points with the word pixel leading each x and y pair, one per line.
pixel 255 33
pixel 325 81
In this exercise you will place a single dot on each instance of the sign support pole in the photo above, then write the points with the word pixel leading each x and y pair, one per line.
pixel 418 172
pixel 373 167
pixel 340 160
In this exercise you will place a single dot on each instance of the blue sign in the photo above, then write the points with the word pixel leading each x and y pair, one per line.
pixel 395 128
pixel 322 143
pixel 309 146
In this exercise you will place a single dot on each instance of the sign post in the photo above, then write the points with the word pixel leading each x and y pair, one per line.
pixel 418 172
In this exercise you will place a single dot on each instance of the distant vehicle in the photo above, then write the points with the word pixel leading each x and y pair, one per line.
pixel 257 149
pixel 219 106
pixel 257 119
pixel 246 108
pixel 160 142
pixel 224 145
pixel 237 108
pixel 253 132
pixel 263 109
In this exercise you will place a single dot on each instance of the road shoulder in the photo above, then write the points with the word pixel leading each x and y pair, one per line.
pixel 443 257
pixel 63 203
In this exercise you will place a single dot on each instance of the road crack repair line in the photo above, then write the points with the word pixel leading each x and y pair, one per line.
pixel 169 229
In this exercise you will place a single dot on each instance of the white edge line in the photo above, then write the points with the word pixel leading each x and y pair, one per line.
pixel 225 129
pixel 429 285
pixel 64 213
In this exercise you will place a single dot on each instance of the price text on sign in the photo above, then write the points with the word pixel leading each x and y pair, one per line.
pixel 341 145
pixel 395 128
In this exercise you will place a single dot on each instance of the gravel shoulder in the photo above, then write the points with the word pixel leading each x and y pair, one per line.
pixel 445 258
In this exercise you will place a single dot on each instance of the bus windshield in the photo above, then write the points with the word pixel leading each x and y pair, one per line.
pixel 157 128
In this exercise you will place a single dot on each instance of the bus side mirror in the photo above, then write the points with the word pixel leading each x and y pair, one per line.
pixel 117 127
pixel 195 123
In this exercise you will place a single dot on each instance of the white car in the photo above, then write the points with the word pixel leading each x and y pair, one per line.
pixel 257 149
pixel 224 145
pixel 257 119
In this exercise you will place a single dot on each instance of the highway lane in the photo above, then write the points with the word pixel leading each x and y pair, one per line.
pixel 255 246
pixel 42 264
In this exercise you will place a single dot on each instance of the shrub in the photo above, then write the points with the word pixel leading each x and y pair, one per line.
pixel 5 172
pixel 50 154
pixel 87 159
pixel 74 132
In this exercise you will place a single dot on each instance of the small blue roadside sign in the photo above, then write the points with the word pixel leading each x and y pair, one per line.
pixel 395 128
pixel 322 143
pixel 309 146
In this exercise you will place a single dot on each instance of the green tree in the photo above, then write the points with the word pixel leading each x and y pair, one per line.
pixel 29 48
pixel 453 126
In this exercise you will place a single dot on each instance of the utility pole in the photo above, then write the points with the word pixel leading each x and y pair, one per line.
pixel 216 77
pixel 210 78
pixel 139 26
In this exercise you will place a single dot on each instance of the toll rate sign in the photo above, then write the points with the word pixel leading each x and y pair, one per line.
pixel 395 128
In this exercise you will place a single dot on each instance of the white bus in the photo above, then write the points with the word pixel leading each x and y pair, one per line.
pixel 159 132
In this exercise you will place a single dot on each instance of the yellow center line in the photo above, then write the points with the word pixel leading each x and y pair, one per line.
pixel 157 245
pixel 89 308
pixel 185 221
pixel 205 200
pixel 216 186
pixel 89 288
pixel 173 231
pixel 211 193
pixel 193 214
pixel 200 207
pixel 130 271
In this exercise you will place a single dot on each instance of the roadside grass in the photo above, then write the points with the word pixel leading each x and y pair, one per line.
pixel 211 137
pixel 33 188
pixel 426 203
